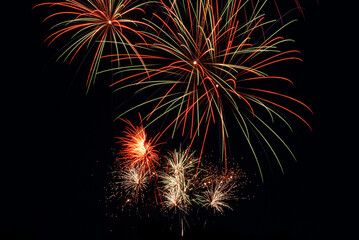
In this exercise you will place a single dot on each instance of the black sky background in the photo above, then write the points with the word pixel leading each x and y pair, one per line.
pixel 57 144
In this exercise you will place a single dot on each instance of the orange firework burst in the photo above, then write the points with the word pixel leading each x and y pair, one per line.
pixel 138 152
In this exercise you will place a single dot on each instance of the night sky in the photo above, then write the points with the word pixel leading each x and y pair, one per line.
pixel 58 144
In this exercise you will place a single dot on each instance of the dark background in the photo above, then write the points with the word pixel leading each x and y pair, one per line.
pixel 57 144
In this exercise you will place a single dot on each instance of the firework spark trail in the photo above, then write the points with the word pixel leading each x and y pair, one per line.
pixel 95 23
pixel 298 4
pixel 214 59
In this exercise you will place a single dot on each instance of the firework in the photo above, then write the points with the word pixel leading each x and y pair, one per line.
pixel 209 66
pixel 138 152
pixel 219 190
pixel 93 24
pixel 126 190
pixel 133 181
pixel 218 194
pixel 182 195
pixel 177 181
pixel 205 63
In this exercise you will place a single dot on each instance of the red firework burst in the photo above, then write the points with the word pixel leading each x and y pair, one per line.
pixel 138 151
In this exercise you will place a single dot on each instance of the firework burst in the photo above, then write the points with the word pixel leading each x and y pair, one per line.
pixel 93 24
pixel 177 180
pixel 126 190
pixel 133 182
pixel 138 152
pixel 210 67
pixel 219 192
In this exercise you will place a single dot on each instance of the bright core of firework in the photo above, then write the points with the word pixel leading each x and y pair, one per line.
pixel 194 62
pixel 137 148
pixel 109 22
pixel 140 146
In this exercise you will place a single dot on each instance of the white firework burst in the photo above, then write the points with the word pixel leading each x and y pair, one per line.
pixel 133 181
pixel 178 180
pixel 218 192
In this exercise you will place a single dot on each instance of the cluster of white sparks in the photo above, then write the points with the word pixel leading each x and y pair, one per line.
pixel 179 190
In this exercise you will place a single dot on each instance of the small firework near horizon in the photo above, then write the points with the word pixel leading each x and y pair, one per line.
pixel 126 190
pixel 133 181
pixel 219 191
pixel 138 152
pixel 177 181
